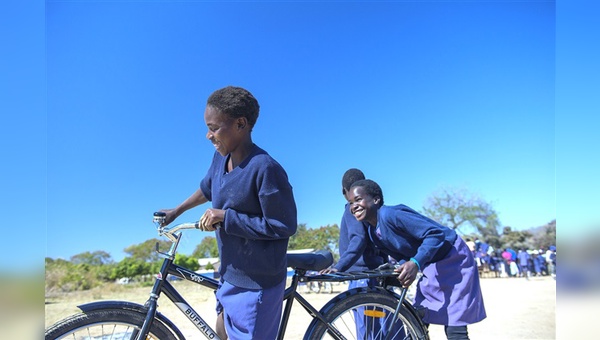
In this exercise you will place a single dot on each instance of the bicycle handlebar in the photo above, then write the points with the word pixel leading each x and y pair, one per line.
pixel 386 270
pixel 171 231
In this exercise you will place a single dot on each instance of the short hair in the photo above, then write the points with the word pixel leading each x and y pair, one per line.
pixel 351 176
pixel 371 188
pixel 235 102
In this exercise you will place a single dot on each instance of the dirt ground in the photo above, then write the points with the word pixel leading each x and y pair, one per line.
pixel 516 308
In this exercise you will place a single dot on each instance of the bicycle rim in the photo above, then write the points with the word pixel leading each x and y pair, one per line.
pixel 367 316
pixel 101 331
pixel 375 319
pixel 103 325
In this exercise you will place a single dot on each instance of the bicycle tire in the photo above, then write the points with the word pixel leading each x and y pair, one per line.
pixel 341 311
pixel 104 324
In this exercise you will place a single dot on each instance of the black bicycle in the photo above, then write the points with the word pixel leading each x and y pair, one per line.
pixel 384 314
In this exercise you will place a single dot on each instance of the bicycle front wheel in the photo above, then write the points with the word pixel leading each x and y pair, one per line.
pixel 366 314
pixel 114 324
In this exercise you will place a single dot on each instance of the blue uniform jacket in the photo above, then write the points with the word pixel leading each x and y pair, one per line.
pixel 260 217
pixel 404 233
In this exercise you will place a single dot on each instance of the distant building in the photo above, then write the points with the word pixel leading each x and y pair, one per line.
pixel 214 261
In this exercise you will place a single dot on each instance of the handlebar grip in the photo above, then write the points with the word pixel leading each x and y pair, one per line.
pixel 216 225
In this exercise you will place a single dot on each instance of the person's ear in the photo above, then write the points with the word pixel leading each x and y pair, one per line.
pixel 376 200
pixel 241 123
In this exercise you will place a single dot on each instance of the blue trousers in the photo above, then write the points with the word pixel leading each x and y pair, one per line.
pixel 250 313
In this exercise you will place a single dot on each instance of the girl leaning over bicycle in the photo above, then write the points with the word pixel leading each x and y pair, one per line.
pixel 449 287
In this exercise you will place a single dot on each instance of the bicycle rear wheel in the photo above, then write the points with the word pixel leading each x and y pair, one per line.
pixel 366 314
pixel 102 324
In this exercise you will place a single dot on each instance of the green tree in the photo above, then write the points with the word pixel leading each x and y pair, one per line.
pixel 516 239
pixel 130 267
pixel 155 267
pixel 65 276
pixel 186 261
pixel 301 238
pixel 146 251
pixel 207 248
pixel 464 212
pixel 103 272
pixel 95 258
pixel 547 237
pixel 55 271
pixel 327 238
pixel 318 238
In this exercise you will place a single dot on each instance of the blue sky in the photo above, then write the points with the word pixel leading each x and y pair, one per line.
pixel 419 95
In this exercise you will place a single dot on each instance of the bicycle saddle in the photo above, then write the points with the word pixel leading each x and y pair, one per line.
pixel 315 260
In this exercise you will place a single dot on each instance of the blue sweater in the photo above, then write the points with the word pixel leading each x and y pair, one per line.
pixel 357 253
pixel 260 216
pixel 405 233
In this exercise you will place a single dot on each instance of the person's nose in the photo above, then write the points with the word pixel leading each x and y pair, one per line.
pixel 209 135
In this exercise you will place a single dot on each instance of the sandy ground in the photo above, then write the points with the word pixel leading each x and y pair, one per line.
pixel 516 308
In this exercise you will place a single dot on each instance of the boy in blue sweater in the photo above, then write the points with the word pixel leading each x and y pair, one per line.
pixel 356 251
pixel 449 288
pixel 253 215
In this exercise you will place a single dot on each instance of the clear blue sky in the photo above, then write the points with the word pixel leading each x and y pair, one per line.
pixel 419 95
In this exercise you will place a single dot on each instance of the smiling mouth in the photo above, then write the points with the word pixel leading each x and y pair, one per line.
pixel 358 213
pixel 219 148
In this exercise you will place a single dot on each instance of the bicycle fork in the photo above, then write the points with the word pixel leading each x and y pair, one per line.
pixel 152 305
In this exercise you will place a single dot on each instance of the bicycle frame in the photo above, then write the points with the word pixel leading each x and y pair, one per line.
pixel 124 318
pixel 291 295
pixel 162 285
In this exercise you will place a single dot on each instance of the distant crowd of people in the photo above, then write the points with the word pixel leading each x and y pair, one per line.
pixel 510 263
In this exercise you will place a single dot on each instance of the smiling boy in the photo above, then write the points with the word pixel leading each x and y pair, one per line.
pixel 253 215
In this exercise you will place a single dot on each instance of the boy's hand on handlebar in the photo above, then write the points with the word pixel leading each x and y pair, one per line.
pixel 210 219
pixel 408 273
